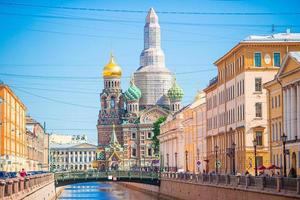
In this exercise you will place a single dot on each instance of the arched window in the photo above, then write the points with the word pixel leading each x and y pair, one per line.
pixel 112 102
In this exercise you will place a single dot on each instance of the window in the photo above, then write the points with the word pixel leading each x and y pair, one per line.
pixel 133 152
pixel 149 135
pixel 112 102
pixel 258 110
pixel 258 84
pixel 149 151
pixel 257 59
pixel 259 161
pixel 259 139
pixel 133 135
pixel 277 59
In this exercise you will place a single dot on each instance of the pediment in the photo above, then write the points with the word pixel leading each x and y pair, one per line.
pixel 84 146
pixel 290 63
pixel 150 115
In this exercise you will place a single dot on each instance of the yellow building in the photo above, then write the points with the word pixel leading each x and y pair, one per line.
pixel 237 102
pixel 12 131
pixel 284 113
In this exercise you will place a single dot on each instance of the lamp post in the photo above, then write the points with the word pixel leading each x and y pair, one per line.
pixel 283 139
pixel 255 160
pixel 176 161
pixel 233 157
pixel 216 153
pixel 168 166
pixel 198 152
pixel 186 161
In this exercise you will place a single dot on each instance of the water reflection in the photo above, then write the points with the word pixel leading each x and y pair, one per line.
pixel 108 191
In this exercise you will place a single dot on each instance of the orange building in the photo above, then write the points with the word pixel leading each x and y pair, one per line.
pixel 237 102
pixel 12 131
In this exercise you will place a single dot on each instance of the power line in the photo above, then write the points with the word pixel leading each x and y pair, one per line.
pixel 138 22
pixel 77 78
pixel 54 100
pixel 143 11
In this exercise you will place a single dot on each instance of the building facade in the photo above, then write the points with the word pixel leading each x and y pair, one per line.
pixel 237 102
pixel 132 113
pixel 12 131
pixel 183 138
pixel 37 150
pixel 284 113
pixel 70 157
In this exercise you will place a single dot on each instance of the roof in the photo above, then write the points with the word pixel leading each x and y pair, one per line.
pixel 278 37
pixel 72 146
pixel 295 55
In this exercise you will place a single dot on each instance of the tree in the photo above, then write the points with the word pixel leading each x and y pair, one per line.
pixel 156 132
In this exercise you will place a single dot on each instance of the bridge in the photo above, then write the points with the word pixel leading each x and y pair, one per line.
pixel 65 178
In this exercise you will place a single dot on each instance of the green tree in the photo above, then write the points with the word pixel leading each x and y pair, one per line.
pixel 156 132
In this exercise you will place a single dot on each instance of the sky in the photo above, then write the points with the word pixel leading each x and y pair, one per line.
pixel 52 53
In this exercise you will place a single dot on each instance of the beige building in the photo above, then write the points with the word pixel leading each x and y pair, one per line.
pixel 237 103
pixel 37 146
pixel 182 138
pixel 69 157
pixel 284 113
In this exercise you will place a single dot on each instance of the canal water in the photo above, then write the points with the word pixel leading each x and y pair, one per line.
pixel 98 190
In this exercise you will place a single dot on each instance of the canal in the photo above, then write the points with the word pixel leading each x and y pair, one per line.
pixel 99 190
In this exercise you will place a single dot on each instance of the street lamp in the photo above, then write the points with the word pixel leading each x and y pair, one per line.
pixel 233 157
pixel 216 153
pixel 255 160
pixel 186 161
pixel 198 152
pixel 176 161
pixel 283 139
pixel 168 166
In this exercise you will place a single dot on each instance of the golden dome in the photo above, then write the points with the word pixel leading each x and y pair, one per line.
pixel 112 69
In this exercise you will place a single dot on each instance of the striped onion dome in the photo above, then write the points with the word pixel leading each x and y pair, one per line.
pixel 133 93
pixel 175 92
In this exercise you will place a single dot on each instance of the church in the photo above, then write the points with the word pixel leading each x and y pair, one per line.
pixel 125 119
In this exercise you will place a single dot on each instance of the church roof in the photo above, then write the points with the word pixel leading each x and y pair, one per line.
pixel 112 69
pixel 175 92
pixel 133 93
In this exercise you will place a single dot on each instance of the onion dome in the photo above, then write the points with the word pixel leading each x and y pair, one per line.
pixel 133 93
pixel 112 69
pixel 175 93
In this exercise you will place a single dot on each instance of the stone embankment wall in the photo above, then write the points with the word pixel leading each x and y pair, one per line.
pixel 36 187
pixel 191 191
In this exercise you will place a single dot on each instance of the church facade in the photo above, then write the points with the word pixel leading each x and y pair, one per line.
pixel 125 119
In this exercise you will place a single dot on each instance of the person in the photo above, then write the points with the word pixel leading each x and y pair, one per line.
pixel 23 173
pixel 272 173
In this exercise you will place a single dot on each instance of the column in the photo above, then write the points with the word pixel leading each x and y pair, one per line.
pixel 293 112
pixel 285 110
pixel 298 110
pixel 288 113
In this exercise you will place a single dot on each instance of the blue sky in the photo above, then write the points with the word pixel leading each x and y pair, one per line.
pixel 52 42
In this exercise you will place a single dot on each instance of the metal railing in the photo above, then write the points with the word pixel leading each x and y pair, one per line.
pixel 284 185
pixel 74 175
